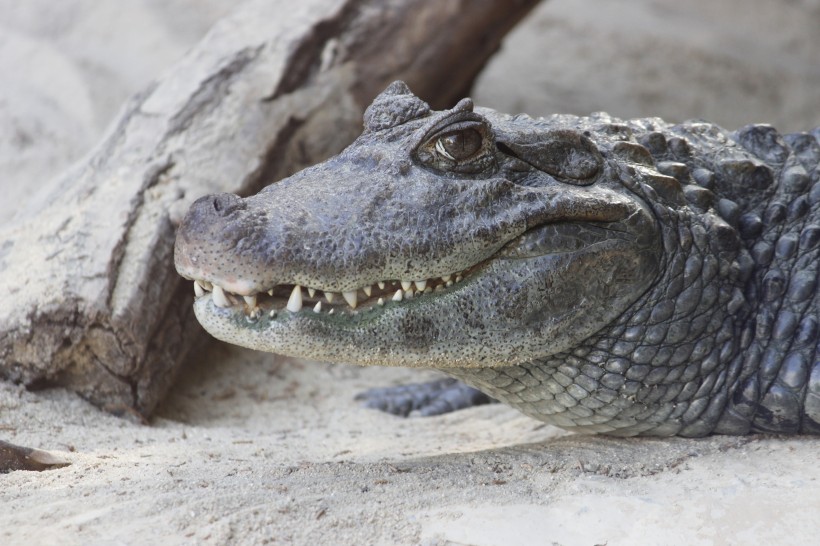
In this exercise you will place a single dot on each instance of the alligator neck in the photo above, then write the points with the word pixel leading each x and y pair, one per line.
pixel 664 367
pixel 726 340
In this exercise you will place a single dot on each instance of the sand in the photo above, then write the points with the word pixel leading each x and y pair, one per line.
pixel 254 448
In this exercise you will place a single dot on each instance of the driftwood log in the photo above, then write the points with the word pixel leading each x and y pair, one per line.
pixel 14 457
pixel 90 297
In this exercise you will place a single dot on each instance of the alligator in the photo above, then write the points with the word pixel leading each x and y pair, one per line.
pixel 619 277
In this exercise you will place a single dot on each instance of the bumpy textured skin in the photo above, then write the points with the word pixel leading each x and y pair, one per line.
pixel 702 320
pixel 695 355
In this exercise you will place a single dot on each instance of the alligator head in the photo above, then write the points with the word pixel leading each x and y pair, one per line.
pixel 457 238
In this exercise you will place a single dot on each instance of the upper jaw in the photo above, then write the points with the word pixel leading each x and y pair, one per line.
pixel 325 297
pixel 268 242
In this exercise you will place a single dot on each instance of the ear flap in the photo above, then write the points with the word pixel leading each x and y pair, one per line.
pixel 562 153
pixel 394 106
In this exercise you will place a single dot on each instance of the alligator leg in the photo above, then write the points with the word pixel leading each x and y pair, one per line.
pixel 424 399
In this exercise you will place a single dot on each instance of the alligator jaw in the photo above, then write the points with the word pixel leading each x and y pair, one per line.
pixel 433 322
pixel 522 294
pixel 371 297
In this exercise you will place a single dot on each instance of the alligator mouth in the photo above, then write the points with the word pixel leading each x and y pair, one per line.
pixel 294 298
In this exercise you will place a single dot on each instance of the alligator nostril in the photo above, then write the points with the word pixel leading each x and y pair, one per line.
pixel 224 203
pixel 221 202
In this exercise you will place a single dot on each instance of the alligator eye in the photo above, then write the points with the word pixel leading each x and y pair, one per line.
pixel 464 147
pixel 459 145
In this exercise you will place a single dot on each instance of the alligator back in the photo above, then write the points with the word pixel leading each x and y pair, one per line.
pixel 769 190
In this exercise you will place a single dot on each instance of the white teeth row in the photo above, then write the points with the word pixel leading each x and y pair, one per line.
pixel 295 301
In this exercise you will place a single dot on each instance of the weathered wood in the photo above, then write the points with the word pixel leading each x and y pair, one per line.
pixel 14 457
pixel 90 297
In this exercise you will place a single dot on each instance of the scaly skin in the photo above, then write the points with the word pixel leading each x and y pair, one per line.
pixel 620 277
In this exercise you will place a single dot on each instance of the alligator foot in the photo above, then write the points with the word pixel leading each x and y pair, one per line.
pixel 14 457
pixel 424 399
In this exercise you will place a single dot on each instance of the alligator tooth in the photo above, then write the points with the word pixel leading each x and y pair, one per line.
pixel 448 284
pixel 439 288
pixel 205 285
pixel 272 313
pixel 329 296
pixel 330 312
pixel 420 285
pixel 219 297
pixel 381 285
pixel 251 301
pixel 459 278
pixel 318 307
pixel 408 294
pixel 198 290
pixel 446 278
pixel 351 298
pixel 397 296
pixel 270 292
pixel 428 290
pixel 406 285
pixel 368 290
pixel 381 301
pixel 295 300
pixel 311 292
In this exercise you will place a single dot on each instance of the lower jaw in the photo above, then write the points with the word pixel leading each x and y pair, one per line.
pixel 334 338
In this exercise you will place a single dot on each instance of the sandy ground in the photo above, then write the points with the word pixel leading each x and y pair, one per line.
pixel 253 448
